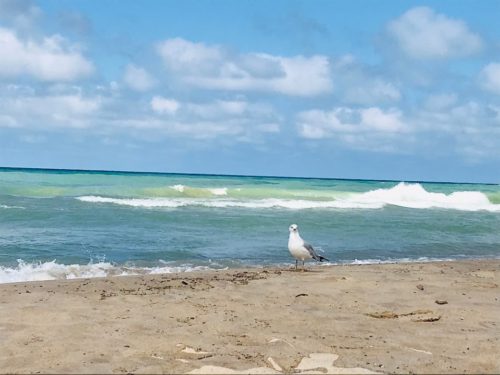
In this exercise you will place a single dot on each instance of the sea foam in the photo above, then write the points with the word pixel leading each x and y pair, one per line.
pixel 56 271
pixel 415 196
pixel 179 188
pixel 219 191
pixel 11 207
pixel 403 195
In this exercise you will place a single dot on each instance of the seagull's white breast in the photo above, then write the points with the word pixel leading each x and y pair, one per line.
pixel 296 247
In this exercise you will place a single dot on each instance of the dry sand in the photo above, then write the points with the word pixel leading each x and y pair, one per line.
pixel 336 319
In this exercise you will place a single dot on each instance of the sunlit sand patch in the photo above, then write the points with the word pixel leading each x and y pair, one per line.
pixel 225 370
pixel 419 351
pixel 484 274
pixel 315 363
pixel 190 350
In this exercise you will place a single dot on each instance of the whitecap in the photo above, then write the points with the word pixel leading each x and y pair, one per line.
pixel 415 196
pixel 11 207
pixel 134 202
pixel 403 195
pixel 179 188
pixel 218 191
pixel 56 271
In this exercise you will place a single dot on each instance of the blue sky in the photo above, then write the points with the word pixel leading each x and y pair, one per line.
pixel 350 89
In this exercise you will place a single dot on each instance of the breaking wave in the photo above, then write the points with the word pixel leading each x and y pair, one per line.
pixel 42 271
pixel 56 271
pixel 415 196
pixel 403 195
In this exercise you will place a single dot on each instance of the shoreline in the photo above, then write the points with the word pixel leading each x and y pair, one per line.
pixel 439 317
pixel 114 270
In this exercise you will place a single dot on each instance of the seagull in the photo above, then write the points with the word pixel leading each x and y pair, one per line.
pixel 300 249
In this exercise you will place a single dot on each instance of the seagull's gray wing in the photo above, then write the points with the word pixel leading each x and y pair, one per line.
pixel 312 251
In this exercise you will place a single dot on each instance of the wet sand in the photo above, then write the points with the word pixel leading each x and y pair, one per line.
pixel 441 317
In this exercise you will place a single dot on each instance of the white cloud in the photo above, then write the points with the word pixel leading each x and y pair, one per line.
pixel 370 128
pixel 48 111
pixel 218 108
pixel 182 55
pixel 490 78
pixel 138 78
pixel 342 120
pixel 474 128
pixel 50 59
pixel 421 33
pixel 164 106
pixel 99 110
pixel 384 121
pixel 213 67
pixel 471 117
pixel 443 124
pixel 240 119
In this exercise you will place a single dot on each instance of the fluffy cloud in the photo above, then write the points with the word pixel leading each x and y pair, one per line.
pixel 163 105
pixel 182 55
pixel 138 78
pixel 472 127
pixel 50 59
pixel 71 108
pixel 421 33
pixel 369 128
pixel 490 78
pixel 317 124
pixel 43 112
pixel 458 118
pixel 236 118
pixel 442 123
pixel 213 67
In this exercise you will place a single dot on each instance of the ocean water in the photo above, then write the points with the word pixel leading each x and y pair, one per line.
pixel 68 224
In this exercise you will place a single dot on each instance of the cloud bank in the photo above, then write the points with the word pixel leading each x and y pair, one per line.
pixel 214 67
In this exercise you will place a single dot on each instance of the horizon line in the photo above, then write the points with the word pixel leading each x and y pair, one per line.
pixel 31 169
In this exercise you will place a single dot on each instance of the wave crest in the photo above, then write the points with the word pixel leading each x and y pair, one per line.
pixel 415 196
pixel 403 195
pixel 56 271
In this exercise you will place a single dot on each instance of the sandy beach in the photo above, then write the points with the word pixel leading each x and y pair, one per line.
pixel 441 317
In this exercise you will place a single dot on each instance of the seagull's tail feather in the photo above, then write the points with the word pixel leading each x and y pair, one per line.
pixel 321 258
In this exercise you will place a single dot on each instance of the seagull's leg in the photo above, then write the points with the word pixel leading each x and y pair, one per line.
pixel 303 266
pixel 296 264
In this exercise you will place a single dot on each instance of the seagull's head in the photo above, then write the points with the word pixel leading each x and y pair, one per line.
pixel 293 228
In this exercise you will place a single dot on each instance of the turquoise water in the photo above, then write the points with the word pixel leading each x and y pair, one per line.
pixel 65 224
